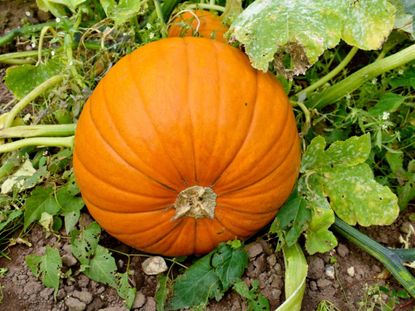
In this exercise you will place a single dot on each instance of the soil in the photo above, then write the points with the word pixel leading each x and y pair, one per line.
pixel 341 277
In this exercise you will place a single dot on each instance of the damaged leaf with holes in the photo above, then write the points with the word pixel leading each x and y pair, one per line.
pixel 341 175
pixel 271 29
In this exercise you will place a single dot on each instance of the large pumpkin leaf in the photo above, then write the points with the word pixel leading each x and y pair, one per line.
pixel 305 29
pixel 209 277
pixel 122 11
pixel 348 182
pixel 405 12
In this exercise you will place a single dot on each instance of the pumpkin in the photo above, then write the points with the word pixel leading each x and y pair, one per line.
pixel 183 145
pixel 198 23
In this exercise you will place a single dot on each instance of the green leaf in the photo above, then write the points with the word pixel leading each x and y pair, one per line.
pixel 162 292
pixel 319 239
pixel 102 267
pixel 295 278
pixel 71 206
pixel 125 290
pixel 292 219
pixel 357 198
pixel 229 264
pixel 350 152
pixel 305 29
pixel 389 102
pixel 7 217
pixel 256 300
pixel 232 9
pixel 85 242
pixel 124 10
pixel 24 78
pixel 48 6
pixel 40 201
pixel 47 266
pixel 368 24
pixel 71 4
pixel 209 277
pixel 405 12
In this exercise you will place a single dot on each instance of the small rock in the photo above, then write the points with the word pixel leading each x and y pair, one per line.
pixel 83 296
pixel 150 304
pixel 313 285
pixel 139 300
pixel 69 288
pixel 329 271
pixel 96 304
pixel 100 290
pixel 254 249
pixel 376 269
pixel 316 268
pixel 32 287
pixel 61 294
pixel 154 265
pixel 350 271
pixel 115 309
pixel 263 278
pixel 74 304
pixel 342 250
pixel 67 249
pixel 83 281
pixel 272 260
pixel 323 283
pixel 69 260
pixel 278 268
pixel 120 263
pixel 276 282
pixel 46 293
pixel 22 277
pixel 260 265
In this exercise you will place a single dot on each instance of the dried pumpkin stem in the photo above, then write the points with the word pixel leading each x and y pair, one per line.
pixel 197 202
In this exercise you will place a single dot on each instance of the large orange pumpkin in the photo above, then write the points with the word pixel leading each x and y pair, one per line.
pixel 183 145
pixel 198 23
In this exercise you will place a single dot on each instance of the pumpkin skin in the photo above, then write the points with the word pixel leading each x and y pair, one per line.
pixel 177 113
pixel 186 25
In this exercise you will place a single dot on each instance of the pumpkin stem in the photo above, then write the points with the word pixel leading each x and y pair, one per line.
pixel 196 202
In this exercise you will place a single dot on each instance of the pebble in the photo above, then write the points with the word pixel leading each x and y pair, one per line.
pixel 154 265
pixel 68 260
pixel 96 304
pixel 376 269
pixel 150 304
pixel 323 283
pixel 329 271
pixel 139 300
pixel 313 285
pixel 74 304
pixel 342 250
pixel 83 281
pixel 350 271
pixel 83 296
pixel 254 249
pixel 316 268
pixel 46 293
pixel 272 260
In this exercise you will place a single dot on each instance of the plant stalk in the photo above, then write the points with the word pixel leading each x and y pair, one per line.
pixel 389 258
pixel 30 97
pixel 355 80
pixel 161 18
pixel 330 75
pixel 39 142
pixel 25 30
pixel 206 6
pixel 42 130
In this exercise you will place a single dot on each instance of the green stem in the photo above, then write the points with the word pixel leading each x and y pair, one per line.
pixel 7 57
pixel 354 81
pixel 160 18
pixel 40 89
pixel 330 75
pixel 38 141
pixel 406 254
pixel 206 6
pixel 25 30
pixel 38 130
pixel 386 256
pixel 167 7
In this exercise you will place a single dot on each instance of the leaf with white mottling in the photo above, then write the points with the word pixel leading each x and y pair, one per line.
pixel 357 198
pixel 269 29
